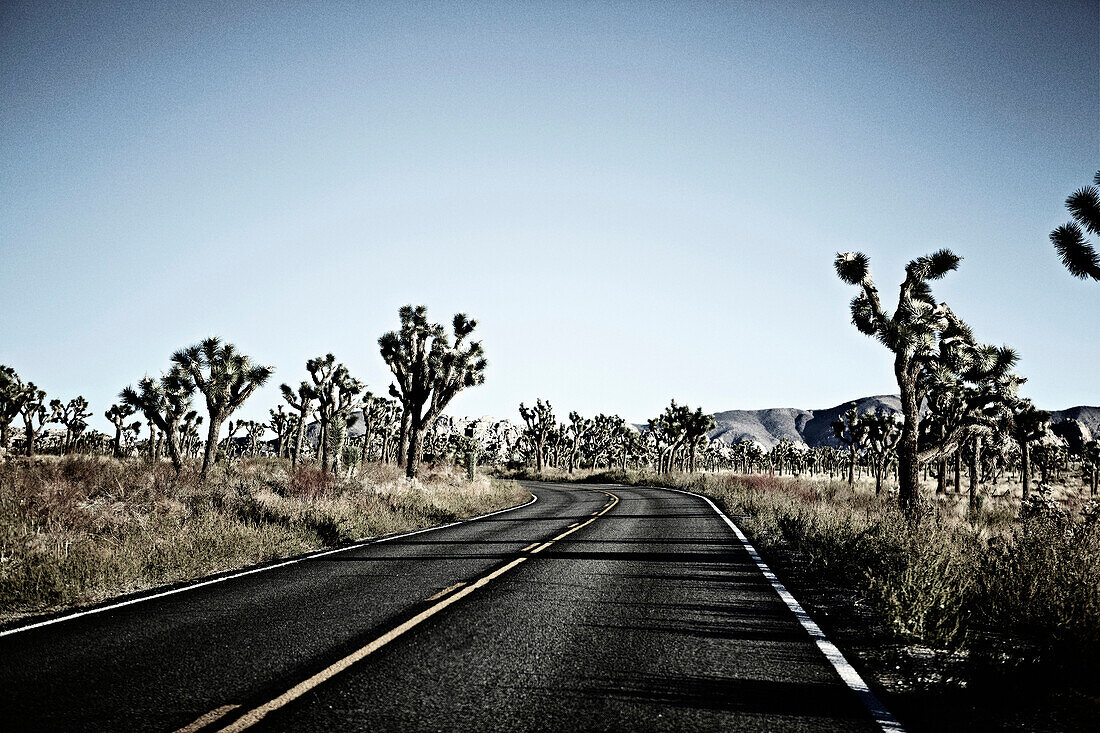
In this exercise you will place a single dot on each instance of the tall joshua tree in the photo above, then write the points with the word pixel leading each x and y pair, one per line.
pixel 1029 425
pixel 851 430
pixel 280 423
pixel 12 394
pixel 579 428
pixel 73 415
pixel 303 401
pixel 226 379
pixel 1078 254
pixel 118 415
pixel 911 334
pixel 336 390
pixel 33 410
pixel 429 370
pixel 540 422
pixel 373 409
pixel 164 403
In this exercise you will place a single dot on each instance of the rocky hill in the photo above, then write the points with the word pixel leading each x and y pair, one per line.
pixel 807 427
pixel 814 427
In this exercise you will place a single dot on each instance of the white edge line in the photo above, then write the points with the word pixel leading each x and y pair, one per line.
pixel 847 672
pixel 303 558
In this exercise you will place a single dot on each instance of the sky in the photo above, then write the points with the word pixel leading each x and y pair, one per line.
pixel 637 201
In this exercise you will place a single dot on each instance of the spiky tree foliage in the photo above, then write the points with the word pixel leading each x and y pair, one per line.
pixel 578 429
pixel 226 379
pixel 189 433
pixel 669 432
pixel 164 403
pixel 33 410
pixel 255 431
pixel 911 334
pixel 1090 461
pixel 851 430
pixel 118 416
pixel 12 395
pixel 280 423
pixel 429 371
pixel 696 427
pixel 371 409
pixel 540 422
pixel 304 401
pixel 336 391
pixel 1078 254
pixel 882 433
pixel 73 415
pixel 1029 425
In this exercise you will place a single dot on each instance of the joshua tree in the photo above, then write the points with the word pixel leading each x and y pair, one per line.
pixel 32 410
pixel 12 394
pixel 1029 425
pixel 882 437
pixel 696 428
pixel 429 371
pixel 540 422
pixel 255 431
pixel 579 428
pixel 281 423
pixel 1090 461
pixel 302 401
pixel 336 391
pixel 372 409
pixel 911 333
pixel 73 416
pixel 851 430
pixel 189 433
pixel 118 415
pixel 1077 253
pixel 226 379
pixel 164 404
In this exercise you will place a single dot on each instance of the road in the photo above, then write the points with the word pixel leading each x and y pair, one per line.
pixel 592 608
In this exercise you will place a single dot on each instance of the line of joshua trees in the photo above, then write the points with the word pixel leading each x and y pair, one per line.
pixel 961 411
pixel 430 366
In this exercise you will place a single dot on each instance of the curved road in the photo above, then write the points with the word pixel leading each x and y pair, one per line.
pixel 593 608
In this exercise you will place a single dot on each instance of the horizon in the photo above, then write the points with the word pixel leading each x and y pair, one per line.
pixel 636 203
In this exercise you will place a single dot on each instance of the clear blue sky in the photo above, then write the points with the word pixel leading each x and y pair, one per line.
pixel 638 201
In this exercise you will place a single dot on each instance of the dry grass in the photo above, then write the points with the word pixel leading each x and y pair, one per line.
pixel 1030 579
pixel 80 529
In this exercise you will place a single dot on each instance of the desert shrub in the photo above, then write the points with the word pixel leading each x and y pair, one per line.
pixel 79 529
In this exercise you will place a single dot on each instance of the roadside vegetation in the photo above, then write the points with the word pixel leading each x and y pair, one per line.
pixel 79 529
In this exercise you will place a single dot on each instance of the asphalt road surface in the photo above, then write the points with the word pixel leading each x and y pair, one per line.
pixel 593 608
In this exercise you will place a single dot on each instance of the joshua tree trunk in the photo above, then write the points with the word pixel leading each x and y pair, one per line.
pixel 851 464
pixel 210 452
pixel 299 438
pixel 415 437
pixel 958 471
pixel 366 441
pixel 908 448
pixel 975 462
pixel 941 476
pixel 403 445
pixel 1025 467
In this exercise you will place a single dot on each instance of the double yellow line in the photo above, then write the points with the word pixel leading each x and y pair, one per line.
pixel 444 598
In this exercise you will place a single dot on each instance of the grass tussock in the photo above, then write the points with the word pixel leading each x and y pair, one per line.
pixel 80 529
pixel 1027 580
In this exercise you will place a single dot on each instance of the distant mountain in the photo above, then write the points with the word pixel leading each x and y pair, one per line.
pixel 814 427
pixel 808 427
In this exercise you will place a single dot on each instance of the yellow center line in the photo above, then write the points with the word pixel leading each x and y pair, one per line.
pixel 208 718
pixel 445 591
pixel 533 544
pixel 257 714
